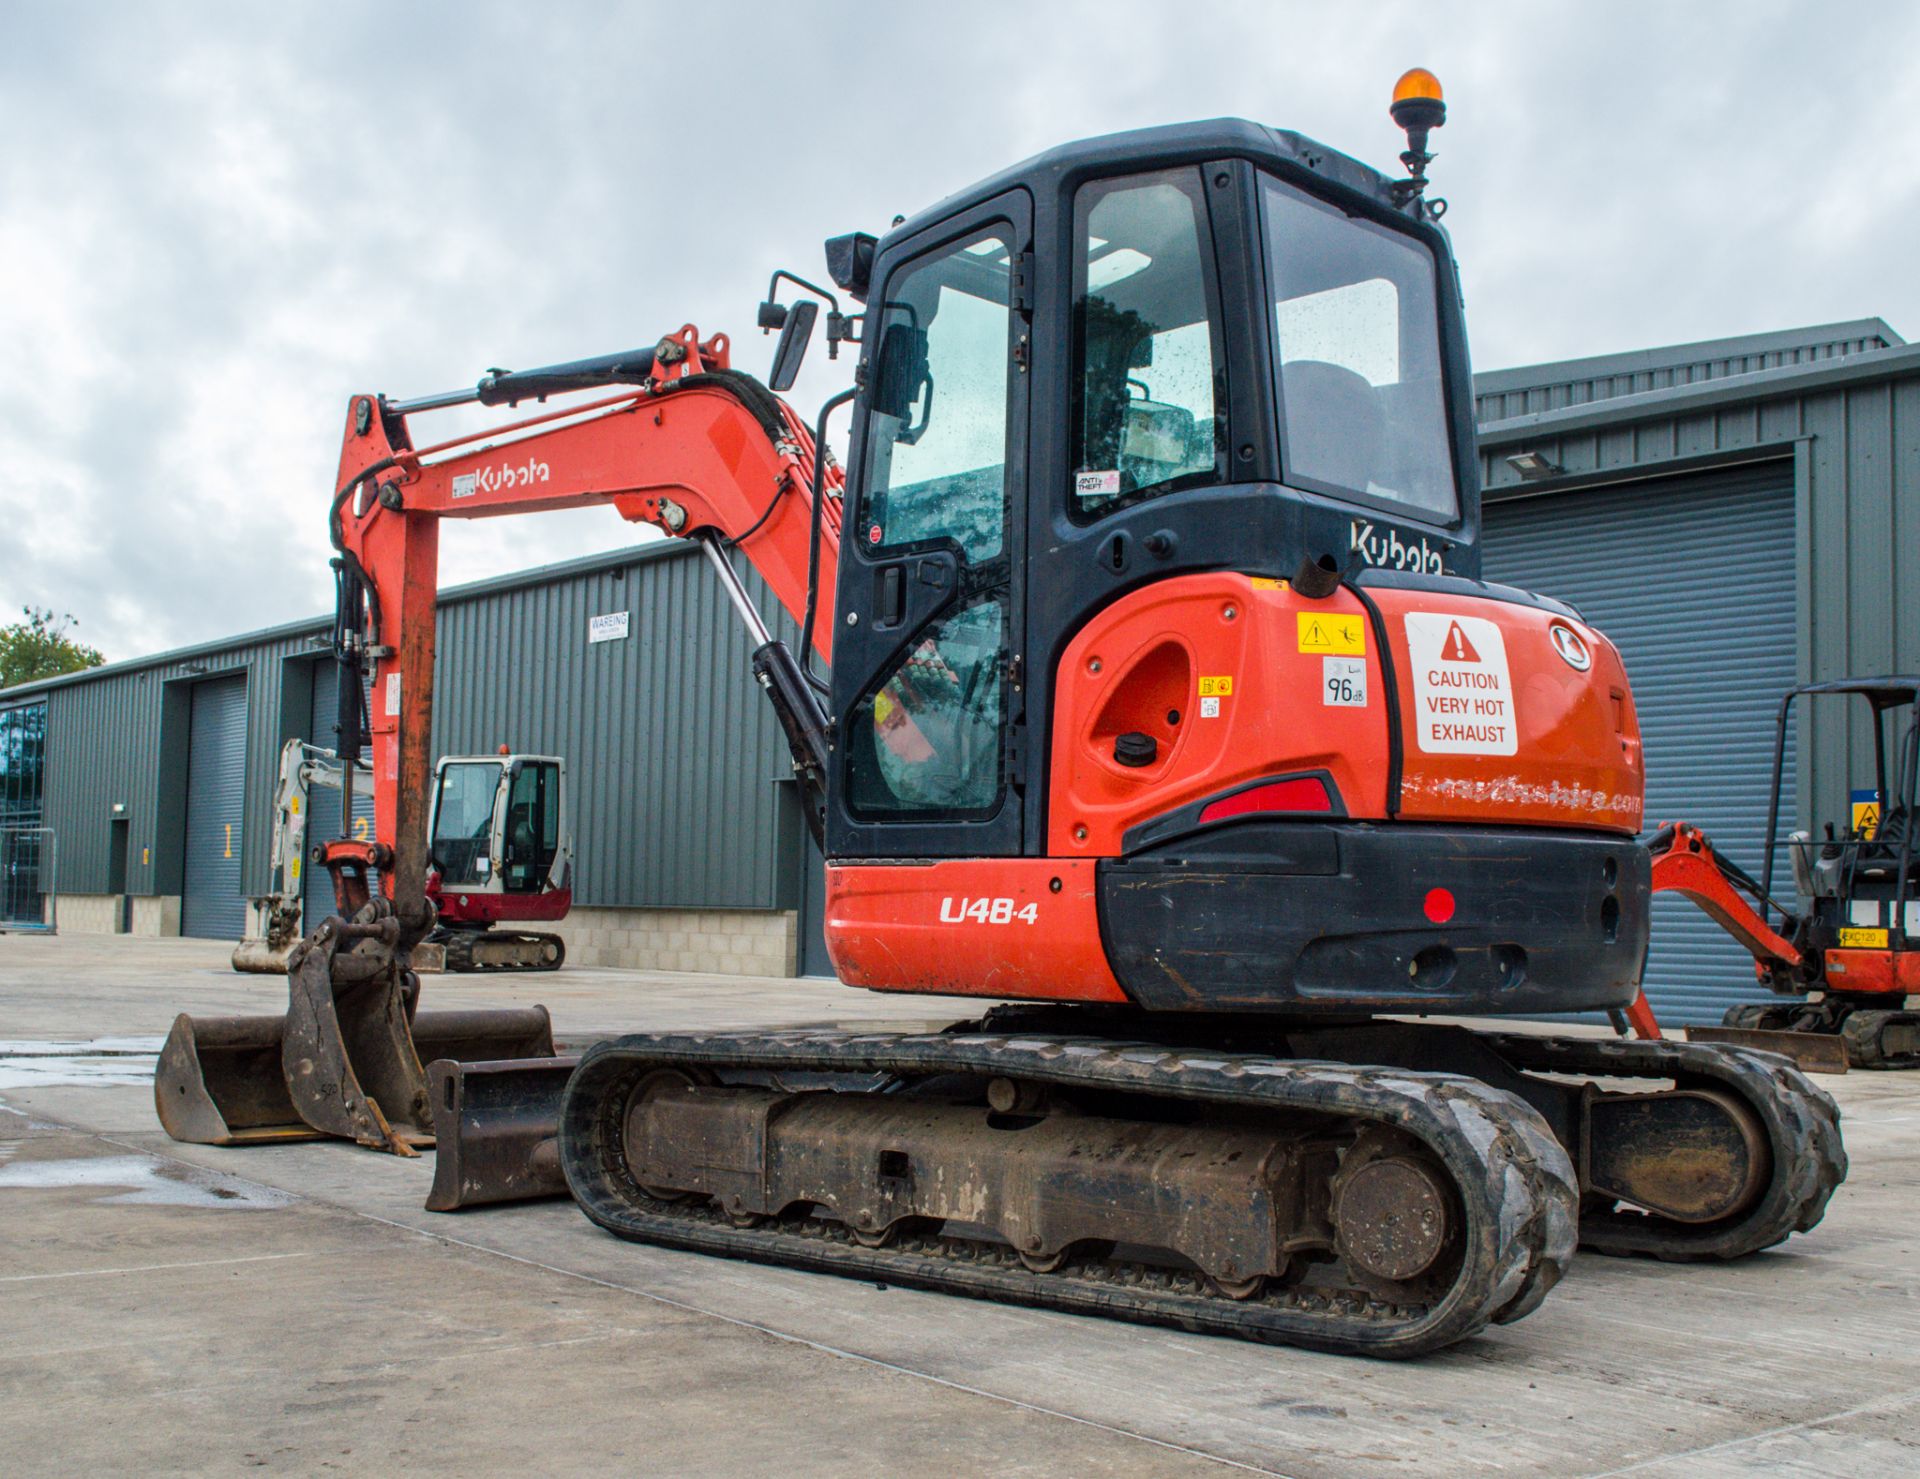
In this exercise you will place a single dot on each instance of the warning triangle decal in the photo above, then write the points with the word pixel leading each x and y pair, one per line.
pixel 1456 648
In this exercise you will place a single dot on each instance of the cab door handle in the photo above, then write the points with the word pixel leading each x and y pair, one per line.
pixel 890 597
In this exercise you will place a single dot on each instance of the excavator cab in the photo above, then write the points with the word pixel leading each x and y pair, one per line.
pixel 497 828
pixel 499 849
pixel 1162 611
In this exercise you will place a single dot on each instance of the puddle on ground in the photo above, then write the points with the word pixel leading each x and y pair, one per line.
pixel 145 1182
pixel 96 1062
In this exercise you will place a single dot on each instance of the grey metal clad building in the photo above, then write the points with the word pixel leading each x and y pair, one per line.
pixel 1734 515
pixel 158 773
pixel 1730 513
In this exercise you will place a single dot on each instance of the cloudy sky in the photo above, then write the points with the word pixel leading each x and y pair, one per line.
pixel 218 221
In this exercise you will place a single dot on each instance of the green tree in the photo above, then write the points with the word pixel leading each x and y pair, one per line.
pixel 39 647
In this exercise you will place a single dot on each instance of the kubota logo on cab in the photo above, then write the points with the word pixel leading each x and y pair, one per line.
pixel 1385 548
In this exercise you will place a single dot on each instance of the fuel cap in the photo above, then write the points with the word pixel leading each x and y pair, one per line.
pixel 1135 749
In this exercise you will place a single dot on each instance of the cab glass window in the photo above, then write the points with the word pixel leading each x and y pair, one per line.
pixel 926 741
pixel 533 819
pixel 936 444
pixel 1149 383
pixel 463 823
pixel 1363 404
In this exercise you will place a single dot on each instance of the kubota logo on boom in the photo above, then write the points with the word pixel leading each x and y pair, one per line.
pixel 1390 552
pixel 506 475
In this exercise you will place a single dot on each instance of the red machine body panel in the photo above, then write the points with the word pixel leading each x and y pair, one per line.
pixel 1895 973
pixel 456 907
pixel 1012 928
pixel 1240 679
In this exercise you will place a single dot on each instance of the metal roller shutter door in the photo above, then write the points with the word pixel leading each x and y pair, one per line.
pixel 212 906
pixel 1693 579
pixel 323 821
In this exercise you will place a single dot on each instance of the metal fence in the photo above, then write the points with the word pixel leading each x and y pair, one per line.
pixel 29 880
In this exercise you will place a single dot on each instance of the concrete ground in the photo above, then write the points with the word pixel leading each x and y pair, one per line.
pixel 170 1307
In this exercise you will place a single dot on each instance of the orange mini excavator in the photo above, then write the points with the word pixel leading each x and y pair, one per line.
pixel 1167 704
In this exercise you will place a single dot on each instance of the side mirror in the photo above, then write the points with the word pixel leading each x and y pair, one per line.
pixel 791 349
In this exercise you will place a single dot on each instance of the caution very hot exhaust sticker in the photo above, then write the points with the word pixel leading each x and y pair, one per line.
pixel 1462 693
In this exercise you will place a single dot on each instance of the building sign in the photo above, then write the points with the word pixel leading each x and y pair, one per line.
pixel 609 628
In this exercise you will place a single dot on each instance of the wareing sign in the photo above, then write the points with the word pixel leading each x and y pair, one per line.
pixel 1462 693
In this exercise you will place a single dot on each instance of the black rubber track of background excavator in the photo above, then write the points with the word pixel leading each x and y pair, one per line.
pixel 1513 1182
pixel 1800 1120
pixel 466 950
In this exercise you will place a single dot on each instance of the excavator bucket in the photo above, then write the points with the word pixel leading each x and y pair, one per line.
pixel 258 956
pixel 218 1082
pixel 495 1128
pixel 344 1061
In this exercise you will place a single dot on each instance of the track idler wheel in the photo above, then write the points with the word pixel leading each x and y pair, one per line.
pixel 1394 1218
pixel 1695 1155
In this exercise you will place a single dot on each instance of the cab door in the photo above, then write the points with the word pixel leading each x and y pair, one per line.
pixel 928 626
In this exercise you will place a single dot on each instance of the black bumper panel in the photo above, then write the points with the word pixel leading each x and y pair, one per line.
pixel 1332 918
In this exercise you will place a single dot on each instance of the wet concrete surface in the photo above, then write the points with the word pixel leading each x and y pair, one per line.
pixel 315 1316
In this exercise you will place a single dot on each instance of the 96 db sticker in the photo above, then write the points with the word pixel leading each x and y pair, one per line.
pixel 1343 683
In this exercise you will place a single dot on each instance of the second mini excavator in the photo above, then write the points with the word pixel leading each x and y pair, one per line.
pixel 501 853
pixel 1166 701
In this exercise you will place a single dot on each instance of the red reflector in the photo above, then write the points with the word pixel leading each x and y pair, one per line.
pixel 1439 905
pixel 1302 793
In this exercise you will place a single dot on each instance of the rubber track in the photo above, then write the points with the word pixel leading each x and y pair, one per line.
pixel 460 957
pixel 1514 1181
pixel 1801 1121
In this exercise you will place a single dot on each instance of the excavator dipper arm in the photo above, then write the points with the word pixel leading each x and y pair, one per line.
pixel 1684 863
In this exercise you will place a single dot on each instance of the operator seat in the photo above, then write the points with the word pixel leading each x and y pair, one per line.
pixel 1336 429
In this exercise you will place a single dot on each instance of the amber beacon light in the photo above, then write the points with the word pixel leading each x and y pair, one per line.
pixel 1419 107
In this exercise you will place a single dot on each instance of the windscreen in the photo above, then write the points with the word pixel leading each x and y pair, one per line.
pixel 1363 403
pixel 463 822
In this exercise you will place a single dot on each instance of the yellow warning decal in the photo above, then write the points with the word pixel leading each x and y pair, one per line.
pixel 1854 938
pixel 1267 583
pixel 1216 687
pixel 1332 635
pixel 1866 819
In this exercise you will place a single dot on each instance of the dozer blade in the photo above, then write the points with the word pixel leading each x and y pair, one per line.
pixel 218 1082
pixel 1816 1052
pixel 495 1127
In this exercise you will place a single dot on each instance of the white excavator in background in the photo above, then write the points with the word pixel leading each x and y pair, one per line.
pixel 501 852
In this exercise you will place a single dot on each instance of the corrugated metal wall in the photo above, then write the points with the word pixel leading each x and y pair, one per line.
pixel 122 737
pixel 1692 578
pixel 1856 451
pixel 672 750
pixel 1534 388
